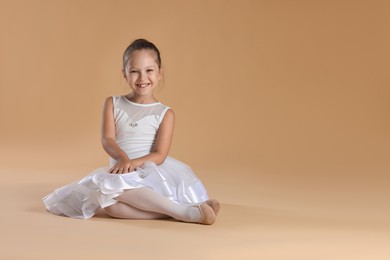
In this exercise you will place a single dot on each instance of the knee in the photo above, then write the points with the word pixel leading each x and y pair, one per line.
pixel 113 210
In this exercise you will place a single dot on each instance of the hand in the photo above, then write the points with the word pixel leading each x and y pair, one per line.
pixel 122 166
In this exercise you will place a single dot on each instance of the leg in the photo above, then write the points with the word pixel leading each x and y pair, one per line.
pixel 123 210
pixel 148 200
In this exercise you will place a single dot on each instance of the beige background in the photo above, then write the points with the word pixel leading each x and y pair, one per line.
pixel 282 109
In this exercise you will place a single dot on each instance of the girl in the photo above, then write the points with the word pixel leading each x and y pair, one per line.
pixel 142 182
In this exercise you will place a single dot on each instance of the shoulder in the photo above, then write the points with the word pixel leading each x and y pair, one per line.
pixel 168 117
pixel 111 100
pixel 169 113
pixel 109 103
pixel 166 110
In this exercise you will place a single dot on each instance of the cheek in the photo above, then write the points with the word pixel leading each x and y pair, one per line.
pixel 156 77
pixel 132 77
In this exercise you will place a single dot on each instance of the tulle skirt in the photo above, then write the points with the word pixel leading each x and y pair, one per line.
pixel 172 179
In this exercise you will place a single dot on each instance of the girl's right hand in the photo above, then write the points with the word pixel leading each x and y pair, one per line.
pixel 122 166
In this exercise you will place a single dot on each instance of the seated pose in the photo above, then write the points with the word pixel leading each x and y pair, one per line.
pixel 142 181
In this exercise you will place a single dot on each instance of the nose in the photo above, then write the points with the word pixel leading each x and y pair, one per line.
pixel 142 75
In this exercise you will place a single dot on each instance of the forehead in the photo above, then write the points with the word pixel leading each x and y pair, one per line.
pixel 143 57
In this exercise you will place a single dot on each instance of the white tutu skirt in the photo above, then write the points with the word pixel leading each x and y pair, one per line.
pixel 172 179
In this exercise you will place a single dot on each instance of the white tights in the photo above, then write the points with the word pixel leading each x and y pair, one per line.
pixel 144 203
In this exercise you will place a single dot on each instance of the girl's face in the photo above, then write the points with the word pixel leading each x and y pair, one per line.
pixel 142 73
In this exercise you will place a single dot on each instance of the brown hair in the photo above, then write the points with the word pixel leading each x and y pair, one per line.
pixel 141 44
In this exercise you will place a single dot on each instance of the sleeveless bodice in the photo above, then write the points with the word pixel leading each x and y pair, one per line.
pixel 136 125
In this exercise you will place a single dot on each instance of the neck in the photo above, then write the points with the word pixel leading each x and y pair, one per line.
pixel 141 99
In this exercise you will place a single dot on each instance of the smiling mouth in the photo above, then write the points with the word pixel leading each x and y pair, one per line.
pixel 143 85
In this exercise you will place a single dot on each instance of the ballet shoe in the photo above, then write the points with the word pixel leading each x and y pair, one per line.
pixel 207 215
pixel 215 205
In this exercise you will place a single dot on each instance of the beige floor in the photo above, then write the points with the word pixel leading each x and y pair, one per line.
pixel 261 219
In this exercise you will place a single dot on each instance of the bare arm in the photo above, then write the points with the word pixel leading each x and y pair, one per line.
pixel 162 144
pixel 123 164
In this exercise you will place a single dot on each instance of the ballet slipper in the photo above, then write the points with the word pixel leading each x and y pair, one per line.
pixel 207 215
pixel 215 205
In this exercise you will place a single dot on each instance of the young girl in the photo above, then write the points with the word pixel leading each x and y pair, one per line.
pixel 142 181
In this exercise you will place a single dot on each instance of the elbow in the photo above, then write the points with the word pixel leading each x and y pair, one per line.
pixel 106 141
pixel 160 158
pixel 103 141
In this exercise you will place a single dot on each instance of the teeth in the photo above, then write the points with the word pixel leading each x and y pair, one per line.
pixel 143 85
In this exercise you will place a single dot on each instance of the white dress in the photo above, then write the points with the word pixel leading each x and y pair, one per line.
pixel 136 128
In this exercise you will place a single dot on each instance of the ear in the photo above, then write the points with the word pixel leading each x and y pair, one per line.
pixel 124 73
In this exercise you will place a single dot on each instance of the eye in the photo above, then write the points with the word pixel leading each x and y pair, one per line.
pixel 133 71
pixel 149 70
